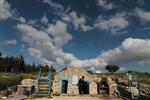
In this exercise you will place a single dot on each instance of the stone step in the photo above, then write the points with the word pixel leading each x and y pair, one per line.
pixel 43 82
pixel 43 89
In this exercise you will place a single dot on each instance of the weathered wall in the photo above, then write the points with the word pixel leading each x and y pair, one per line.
pixel 112 86
pixel 93 88
pixel 73 75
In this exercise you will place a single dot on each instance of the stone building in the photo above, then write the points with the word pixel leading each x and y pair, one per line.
pixel 65 82
pixel 107 86
pixel 26 87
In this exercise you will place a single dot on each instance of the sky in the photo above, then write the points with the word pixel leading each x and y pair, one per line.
pixel 77 33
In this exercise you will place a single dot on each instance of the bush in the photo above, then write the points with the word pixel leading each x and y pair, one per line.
pixel 7 81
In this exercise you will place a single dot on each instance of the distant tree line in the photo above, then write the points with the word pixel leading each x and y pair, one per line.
pixel 18 65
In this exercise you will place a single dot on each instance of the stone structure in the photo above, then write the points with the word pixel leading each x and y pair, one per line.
pixel 107 86
pixel 28 82
pixel 26 85
pixel 65 82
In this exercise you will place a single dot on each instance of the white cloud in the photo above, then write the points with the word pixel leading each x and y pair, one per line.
pixel 39 41
pixel 46 46
pixel 130 51
pixel 104 4
pixel 113 24
pixel 144 15
pixel 54 5
pixel 22 19
pixel 44 19
pixel 48 62
pixel 5 10
pixel 79 22
pixel 44 49
pixel 32 22
pixel 35 53
pixel 32 34
pixel 10 42
pixel 59 33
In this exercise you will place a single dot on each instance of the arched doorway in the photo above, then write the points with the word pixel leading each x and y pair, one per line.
pixel 104 88
pixel 32 89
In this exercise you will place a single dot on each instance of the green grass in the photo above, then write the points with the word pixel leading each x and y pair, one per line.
pixel 10 79
pixel 142 77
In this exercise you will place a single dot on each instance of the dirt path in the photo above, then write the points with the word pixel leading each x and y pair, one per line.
pixel 78 98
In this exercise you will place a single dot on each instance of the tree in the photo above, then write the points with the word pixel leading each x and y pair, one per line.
pixel 65 68
pixel 45 68
pixel 112 68
pixel 90 72
pixel 21 63
pixel 52 69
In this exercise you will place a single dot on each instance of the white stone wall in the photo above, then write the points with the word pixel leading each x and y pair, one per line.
pixel 93 88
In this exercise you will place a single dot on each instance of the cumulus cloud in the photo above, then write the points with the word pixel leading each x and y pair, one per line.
pixel 46 46
pixel 35 52
pixel 143 15
pixel 33 35
pixel 39 42
pixel 130 51
pixel 59 33
pixel 5 10
pixel 44 19
pixel 113 24
pixel 104 4
pixel 45 50
pixel 79 22
pixel 22 19
pixel 10 42
pixel 54 5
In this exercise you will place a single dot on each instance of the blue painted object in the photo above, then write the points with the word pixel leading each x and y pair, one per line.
pixel 44 80
pixel 49 83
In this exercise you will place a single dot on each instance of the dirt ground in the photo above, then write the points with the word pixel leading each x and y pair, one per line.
pixel 87 97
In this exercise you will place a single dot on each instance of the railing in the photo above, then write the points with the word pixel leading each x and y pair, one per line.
pixel 43 83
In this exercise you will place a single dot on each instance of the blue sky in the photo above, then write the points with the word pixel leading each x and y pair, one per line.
pixel 79 33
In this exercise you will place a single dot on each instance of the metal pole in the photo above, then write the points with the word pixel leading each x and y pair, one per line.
pixel 49 83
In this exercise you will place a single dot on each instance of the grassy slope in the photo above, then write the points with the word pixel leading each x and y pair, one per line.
pixel 7 79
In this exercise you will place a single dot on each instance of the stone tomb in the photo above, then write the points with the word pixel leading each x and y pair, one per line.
pixel 66 81
pixel 26 85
